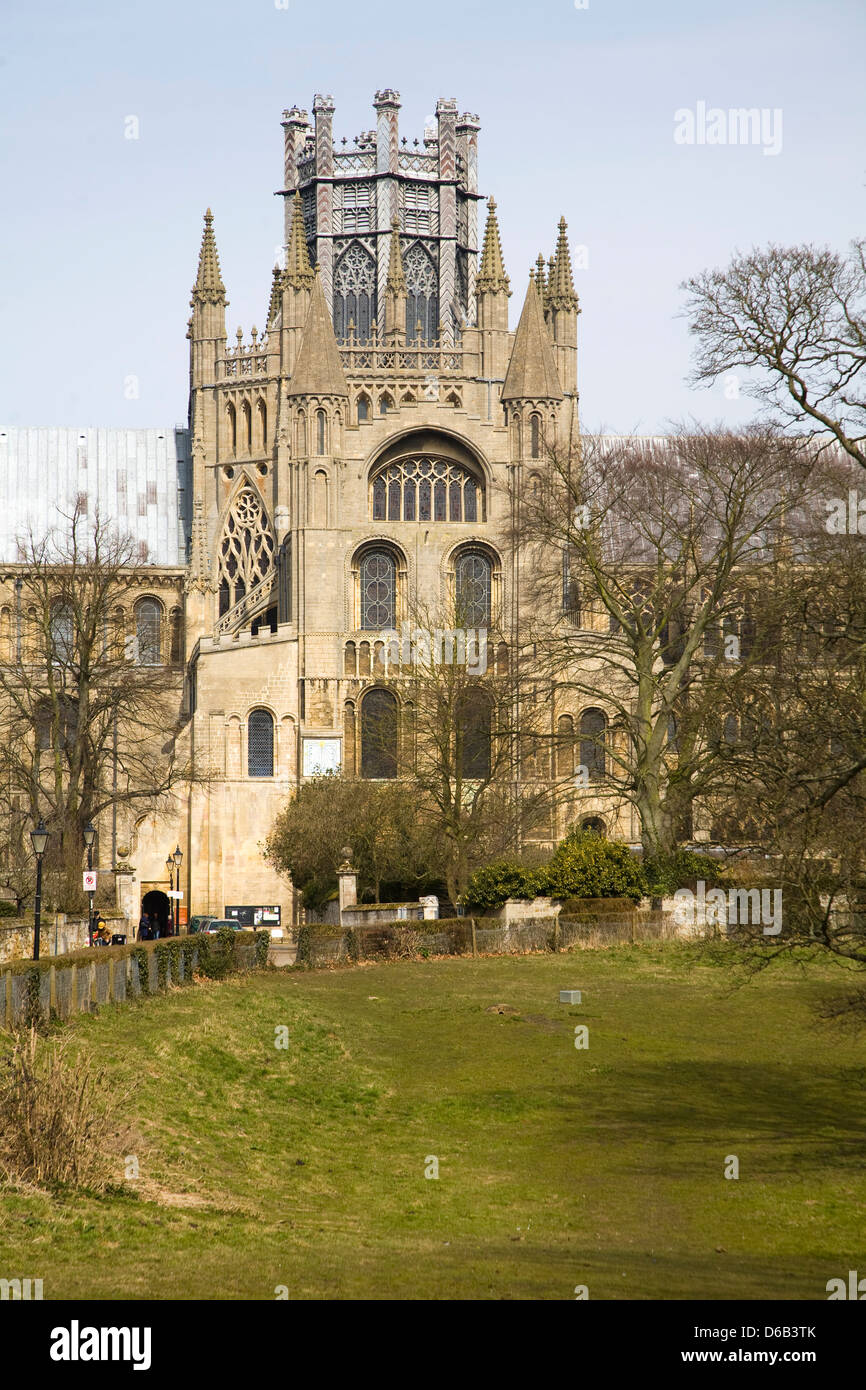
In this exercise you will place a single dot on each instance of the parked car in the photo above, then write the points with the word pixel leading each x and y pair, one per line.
pixel 215 924
pixel 199 923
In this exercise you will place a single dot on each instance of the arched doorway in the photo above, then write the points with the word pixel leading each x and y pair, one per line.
pixel 594 825
pixel 155 904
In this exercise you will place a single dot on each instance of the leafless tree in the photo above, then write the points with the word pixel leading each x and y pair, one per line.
pixel 643 560
pixel 86 720
pixel 794 318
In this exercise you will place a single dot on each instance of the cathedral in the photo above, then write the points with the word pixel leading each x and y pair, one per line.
pixel 350 459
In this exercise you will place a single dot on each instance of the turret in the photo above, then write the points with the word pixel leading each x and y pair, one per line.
pixel 492 294
pixel 207 326
pixel 532 389
pixel 317 391
pixel 297 285
pixel 563 309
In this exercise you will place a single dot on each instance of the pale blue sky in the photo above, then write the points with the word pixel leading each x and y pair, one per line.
pixel 99 234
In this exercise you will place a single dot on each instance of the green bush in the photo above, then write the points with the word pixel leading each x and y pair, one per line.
pixel 217 960
pixel 7 909
pixel 665 873
pixel 504 878
pixel 304 955
pixel 586 866
pixel 141 958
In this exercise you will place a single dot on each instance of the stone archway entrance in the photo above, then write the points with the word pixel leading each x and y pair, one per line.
pixel 595 825
pixel 155 904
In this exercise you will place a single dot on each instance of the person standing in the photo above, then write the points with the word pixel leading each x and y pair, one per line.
pixel 144 927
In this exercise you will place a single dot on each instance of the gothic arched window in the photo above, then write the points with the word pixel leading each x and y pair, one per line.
pixel 320 432
pixel 260 744
pixel 354 293
pixel 570 589
pixel 379 734
pixel 422 299
pixel 378 590
pixel 62 630
pixel 565 746
pixel 535 436
pixel 6 652
pixel 247 549
pixel 474 735
pixel 472 586
pixel 148 631
pixel 175 622
pixel 592 730
pixel 427 489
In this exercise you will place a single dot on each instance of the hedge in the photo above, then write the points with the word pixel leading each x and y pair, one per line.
pixel 216 958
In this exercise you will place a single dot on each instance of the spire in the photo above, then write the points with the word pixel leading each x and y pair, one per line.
pixel 318 370
pixel 540 280
pixel 208 282
pixel 396 291
pixel 396 281
pixel 274 305
pixel 560 290
pixel 299 272
pixel 532 371
pixel 491 275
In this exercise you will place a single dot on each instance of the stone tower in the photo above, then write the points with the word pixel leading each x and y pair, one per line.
pixel 351 196
pixel 351 462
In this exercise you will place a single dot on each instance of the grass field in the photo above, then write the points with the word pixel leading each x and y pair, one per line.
pixel 558 1167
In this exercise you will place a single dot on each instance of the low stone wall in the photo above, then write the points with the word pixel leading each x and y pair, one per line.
pixel 375 914
pixel 643 924
pixel 59 988
pixel 16 935
pixel 319 946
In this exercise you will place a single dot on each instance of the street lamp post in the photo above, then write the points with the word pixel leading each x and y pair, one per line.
pixel 39 839
pixel 169 864
pixel 178 859
pixel 89 833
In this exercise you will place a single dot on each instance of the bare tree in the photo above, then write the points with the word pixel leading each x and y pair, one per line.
pixel 794 770
pixel 643 559
pixel 795 319
pixel 87 721
pixel 17 866
pixel 474 755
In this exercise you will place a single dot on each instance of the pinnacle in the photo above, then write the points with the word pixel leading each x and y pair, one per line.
pixel 541 279
pixel 560 290
pixel 396 281
pixel 491 276
pixel 299 272
pixel 319 368
pixel 532 371
pixel 274 305
pixel 208 283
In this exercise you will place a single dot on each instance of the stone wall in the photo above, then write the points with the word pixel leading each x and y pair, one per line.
pixel 389 940
pixel 16 935
pixel 104 975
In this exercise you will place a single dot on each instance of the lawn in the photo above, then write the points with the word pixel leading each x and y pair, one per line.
pixel 304 1167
